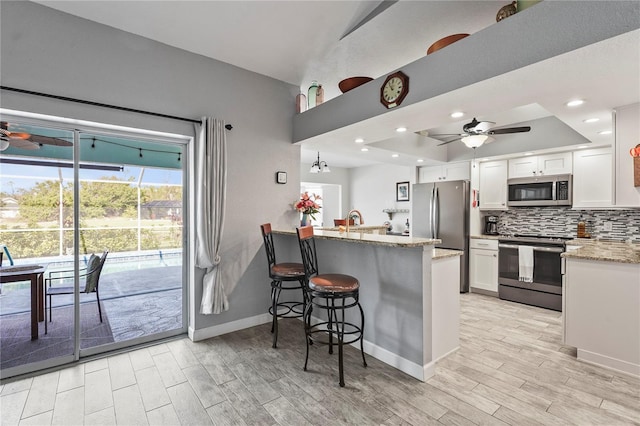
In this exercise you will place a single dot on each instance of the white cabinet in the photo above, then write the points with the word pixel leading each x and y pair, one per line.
pixel 483 265
pixel 592 178
pixel 540 165
pixel 627 124
pixel 493 185
pixel 445 172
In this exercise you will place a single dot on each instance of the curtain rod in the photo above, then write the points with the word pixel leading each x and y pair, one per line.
pixel 81 101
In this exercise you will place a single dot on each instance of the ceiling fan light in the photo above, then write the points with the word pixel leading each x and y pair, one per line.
pixel 474 141
pixel 4 144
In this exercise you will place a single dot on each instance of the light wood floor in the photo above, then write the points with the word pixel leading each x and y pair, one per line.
pixel 510 369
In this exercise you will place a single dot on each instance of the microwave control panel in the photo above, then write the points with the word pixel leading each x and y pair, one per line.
pixel 562 190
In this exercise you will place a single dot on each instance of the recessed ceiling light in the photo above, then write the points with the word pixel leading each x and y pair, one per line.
pixel 457 114
pixel 401 129
pixel 395 155
pixel 591 120
pixel 575 102
pixel 364 149
pixel 528 153
pixel 605 132
pixel 582 147
pixel 420 160
pixel 359 140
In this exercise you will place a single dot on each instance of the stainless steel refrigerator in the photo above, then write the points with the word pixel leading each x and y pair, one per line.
pixel 441 210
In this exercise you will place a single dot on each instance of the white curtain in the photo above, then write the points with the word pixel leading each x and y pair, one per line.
pixel 211 188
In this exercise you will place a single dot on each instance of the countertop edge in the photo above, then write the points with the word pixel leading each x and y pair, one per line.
pixel 439 253
pixel 372 239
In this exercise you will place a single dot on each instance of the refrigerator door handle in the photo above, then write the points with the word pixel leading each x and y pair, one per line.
pixel 432 203
pixel 436 213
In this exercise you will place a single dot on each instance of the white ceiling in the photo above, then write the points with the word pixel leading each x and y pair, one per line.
pixel 299 41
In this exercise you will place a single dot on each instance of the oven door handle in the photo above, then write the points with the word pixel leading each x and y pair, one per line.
pixel 535 248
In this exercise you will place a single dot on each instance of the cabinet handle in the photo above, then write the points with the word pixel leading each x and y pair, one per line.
pixel 541 172
pixel 495 255
pixel 534 172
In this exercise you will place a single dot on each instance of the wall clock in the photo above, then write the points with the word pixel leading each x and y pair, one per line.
pixel 394 89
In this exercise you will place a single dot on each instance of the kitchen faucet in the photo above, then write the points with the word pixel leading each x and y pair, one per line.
pixel 349 216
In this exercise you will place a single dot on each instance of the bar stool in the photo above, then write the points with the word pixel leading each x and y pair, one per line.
pixel 331 292
pixel 281 273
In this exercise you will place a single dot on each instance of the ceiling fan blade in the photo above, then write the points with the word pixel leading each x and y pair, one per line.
pixel 483 126
pixel 23 144
pixel 448 142
pixel 47 140
pixel 444 135
pixel 508 130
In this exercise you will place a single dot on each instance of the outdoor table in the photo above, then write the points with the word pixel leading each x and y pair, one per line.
pixel 35 274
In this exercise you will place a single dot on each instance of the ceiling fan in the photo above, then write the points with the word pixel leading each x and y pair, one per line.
pixel 478 132
pixel 25 140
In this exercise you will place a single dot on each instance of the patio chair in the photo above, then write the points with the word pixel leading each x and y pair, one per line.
pixel 91 275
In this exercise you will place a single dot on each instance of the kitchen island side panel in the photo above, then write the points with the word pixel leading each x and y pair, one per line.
pixel 392 282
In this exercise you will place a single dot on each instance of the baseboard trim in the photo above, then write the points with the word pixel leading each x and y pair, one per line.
pixel 446 355
pixel 420 372
pixel 608 362
pixel 413 369
pixel 229 327
pixel 483 291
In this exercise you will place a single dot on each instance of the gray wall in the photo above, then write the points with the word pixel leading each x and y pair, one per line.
pixel 338 176
pixel 49 51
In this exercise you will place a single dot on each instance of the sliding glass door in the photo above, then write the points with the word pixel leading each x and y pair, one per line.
pixel 36 230
pixel 102 212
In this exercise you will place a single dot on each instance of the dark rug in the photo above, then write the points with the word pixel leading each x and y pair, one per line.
pixel 17 348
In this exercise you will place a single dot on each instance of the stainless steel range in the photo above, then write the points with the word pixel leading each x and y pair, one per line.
pixel 541 284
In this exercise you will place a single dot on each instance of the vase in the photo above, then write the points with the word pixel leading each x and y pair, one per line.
pixel 301 102
pixel 306 219
pixel 312 94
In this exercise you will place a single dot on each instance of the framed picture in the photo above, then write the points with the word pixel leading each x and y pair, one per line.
pixel 281 177
pixel 402 191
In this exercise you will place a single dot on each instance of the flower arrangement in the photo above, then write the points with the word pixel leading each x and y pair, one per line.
pixel 307 204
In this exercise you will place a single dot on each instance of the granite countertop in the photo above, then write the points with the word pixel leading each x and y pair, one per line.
pixel 354 227
pixel 439 253
pixel 607 251
pixel 486 237
pixel 359 237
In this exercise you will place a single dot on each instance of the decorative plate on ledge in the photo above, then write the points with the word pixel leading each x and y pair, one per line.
pixel 352 82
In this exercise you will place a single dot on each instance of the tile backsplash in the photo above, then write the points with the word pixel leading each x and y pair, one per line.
pixel 563 221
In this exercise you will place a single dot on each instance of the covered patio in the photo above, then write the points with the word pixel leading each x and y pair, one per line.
pixel 135 303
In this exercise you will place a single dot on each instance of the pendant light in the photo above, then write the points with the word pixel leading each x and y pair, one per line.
pixel 319 166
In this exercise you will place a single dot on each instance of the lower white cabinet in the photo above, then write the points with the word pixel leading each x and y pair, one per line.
pixel 483 265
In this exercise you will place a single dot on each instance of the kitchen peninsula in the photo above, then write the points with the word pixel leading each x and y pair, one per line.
pixel 409 291
pixel 601 294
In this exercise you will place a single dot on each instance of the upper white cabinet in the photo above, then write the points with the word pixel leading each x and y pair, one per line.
pixel 493 185
pixel 540 165
pixel 445 172
pixel 627 125
pixel 592 178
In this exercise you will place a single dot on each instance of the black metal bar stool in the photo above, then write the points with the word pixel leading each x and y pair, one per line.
pixel 281 273
pixel 331 292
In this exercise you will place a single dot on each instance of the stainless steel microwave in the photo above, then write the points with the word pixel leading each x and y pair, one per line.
pixel 553 190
